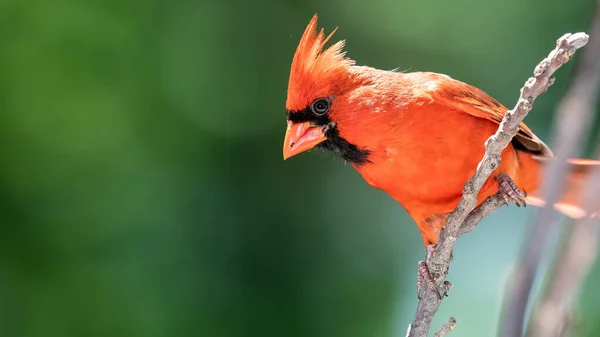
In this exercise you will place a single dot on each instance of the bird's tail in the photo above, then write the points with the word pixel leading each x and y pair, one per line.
pixel 571 201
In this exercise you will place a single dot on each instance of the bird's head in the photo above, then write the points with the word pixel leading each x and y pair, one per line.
pixel 319 83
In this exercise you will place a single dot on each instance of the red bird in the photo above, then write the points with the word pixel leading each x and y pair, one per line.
pixel 418 136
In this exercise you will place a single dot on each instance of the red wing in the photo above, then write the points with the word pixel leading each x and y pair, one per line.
pixel 475 102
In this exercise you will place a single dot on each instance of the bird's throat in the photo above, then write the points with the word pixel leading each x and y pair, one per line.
pixel 348 151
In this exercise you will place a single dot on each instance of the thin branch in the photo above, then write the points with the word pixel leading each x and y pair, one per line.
pixel 440 261
pixel 447 327
pixel 573 265
pixel 489 205
pixel 571 127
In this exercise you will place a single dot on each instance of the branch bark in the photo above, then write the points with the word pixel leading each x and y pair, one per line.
pixel 447 327
pixel 465 217
pixel 570 129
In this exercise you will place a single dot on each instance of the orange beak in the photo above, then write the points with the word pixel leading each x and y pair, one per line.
pixel 300 137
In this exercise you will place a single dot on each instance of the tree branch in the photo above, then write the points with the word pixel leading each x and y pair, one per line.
pixel 577 257
pixel 570 129
pixel 447 327
pixel 464 218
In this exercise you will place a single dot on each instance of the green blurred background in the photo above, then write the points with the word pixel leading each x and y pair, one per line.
pixel 142 186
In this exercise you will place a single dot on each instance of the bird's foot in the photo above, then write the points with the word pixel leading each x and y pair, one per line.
pixel 423 274
pixel 510 191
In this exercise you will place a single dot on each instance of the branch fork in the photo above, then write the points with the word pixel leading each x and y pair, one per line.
pixel 466 216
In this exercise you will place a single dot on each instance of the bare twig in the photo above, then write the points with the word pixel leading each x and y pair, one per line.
pixel 486 208
pixel 440 261
pixel 447 327
pixel 573 265
pixel 571 127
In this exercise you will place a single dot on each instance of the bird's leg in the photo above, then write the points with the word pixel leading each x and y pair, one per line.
pixel 423 274
pixel 510 191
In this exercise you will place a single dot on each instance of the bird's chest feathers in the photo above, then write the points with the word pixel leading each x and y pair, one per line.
pixel 404 170
pixel 415 166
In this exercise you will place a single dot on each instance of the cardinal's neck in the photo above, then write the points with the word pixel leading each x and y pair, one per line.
pixel 373 132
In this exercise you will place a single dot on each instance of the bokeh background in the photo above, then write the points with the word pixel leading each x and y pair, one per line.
pixel 142 186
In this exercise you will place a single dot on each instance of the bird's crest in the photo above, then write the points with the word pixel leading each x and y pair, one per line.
pixel 315 72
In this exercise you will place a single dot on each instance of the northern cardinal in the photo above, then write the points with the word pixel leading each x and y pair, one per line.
pixel 418 136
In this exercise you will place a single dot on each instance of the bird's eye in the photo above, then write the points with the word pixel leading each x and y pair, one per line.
pixel 320 106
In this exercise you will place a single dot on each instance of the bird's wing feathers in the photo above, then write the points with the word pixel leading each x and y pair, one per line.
pixel 475 102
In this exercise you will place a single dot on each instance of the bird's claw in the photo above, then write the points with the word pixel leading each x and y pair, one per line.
pixel 510 192
pixel 423 274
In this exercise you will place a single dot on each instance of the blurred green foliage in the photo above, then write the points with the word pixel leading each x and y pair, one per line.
pixel 144 192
